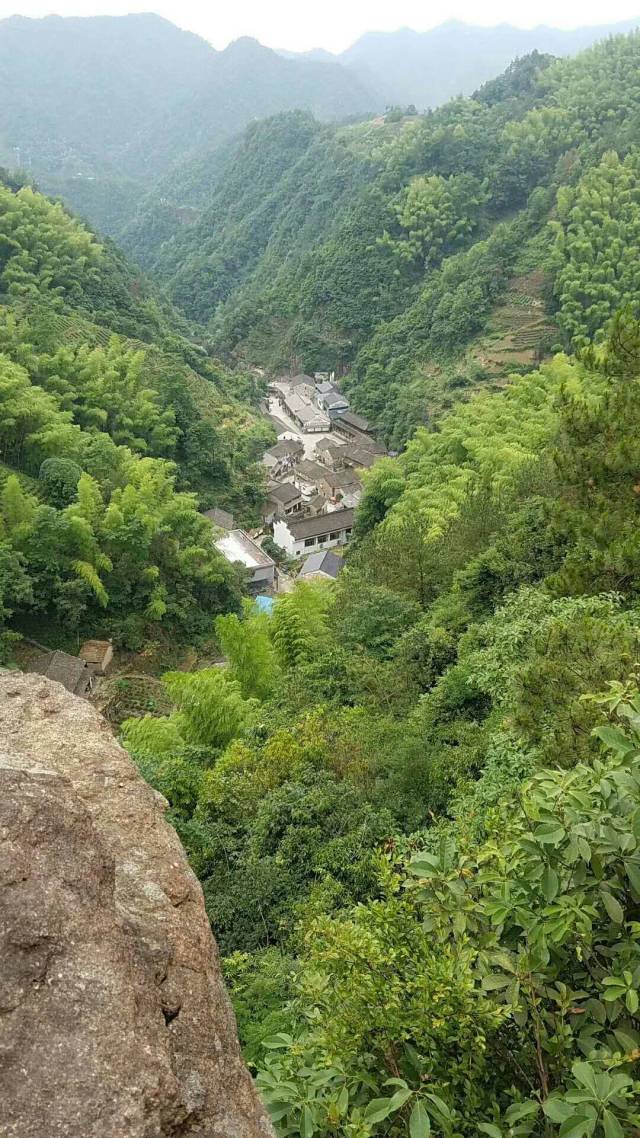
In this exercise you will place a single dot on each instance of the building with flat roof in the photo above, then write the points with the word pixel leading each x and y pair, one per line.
pixel 238 547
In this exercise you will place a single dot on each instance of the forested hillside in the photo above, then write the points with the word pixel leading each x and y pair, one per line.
pixel 416 828
pixel 424 255
pixel 114 426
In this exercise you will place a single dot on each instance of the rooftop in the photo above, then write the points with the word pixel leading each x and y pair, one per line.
pixel 301 528
pixel 297 380
pixel 219 518
pixel 342 480
pixel 284 492
pixel 238 546
pixel 335 399
pixel 310 470
pixel 285 447
pixel 350 419
pixel 74 674
pixel 326 562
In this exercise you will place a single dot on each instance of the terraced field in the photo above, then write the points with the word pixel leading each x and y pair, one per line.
pixel 520 333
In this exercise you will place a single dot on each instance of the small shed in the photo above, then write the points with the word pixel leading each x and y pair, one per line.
pixel 70 671
pixel 219 518
pixel 322 564
pixel 98 654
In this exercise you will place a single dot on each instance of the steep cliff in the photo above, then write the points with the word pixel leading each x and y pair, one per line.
pixel 114 1021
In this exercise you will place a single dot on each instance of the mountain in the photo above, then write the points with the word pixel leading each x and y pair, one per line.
pixel 98 108
pixel 427 68
pixel 248 81
pixel 422 256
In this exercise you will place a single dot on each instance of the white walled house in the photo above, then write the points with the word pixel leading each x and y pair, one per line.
pixel 298 536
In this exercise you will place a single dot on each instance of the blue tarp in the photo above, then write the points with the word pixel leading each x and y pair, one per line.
pixel 264 604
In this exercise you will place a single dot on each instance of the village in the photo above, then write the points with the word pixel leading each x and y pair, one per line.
pixel 313 481
pixel 313 484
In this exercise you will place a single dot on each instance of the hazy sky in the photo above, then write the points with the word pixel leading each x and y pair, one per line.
pixel 333 24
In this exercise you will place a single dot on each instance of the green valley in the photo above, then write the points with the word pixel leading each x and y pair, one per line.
pixel 407 776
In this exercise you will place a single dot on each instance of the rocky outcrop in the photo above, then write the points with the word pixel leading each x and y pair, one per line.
pixel 114 1022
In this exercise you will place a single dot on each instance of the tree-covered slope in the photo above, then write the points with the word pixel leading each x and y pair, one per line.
pixel 115 425
pixel 413 795
pixel 422 255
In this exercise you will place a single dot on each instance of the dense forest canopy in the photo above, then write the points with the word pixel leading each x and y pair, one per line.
pixel 114 427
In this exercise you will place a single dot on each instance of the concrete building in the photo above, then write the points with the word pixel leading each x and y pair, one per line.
pixel 332 401
pixel 237 546
pixel 304 535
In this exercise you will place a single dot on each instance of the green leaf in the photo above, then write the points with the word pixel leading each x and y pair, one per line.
pixel 378 1109
pixel 279 1040
pixel 521 1110
pixel 549 833
pixel 550 883
pixel 307 1126
pixel 613 907
pixel 632 1001
pixel 557 1109
pixel 585 1074
pixel 277 1110
pixel 419 1122
pixel 440 1105
pixel 633 873
pixel 343 1100
pixel 399 1098
pixel 612 1128
pixel 490 1129
pixel 577 1125
pixel 613 738
pixel 495 980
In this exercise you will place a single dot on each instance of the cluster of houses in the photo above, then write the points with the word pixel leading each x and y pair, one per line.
pixel 313 481
pixel 314 486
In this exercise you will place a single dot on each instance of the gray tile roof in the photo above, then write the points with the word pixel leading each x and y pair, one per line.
pixel 337 520
pixel 74 674
pixel 219 518
pixel 283 493
pixel 326 562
